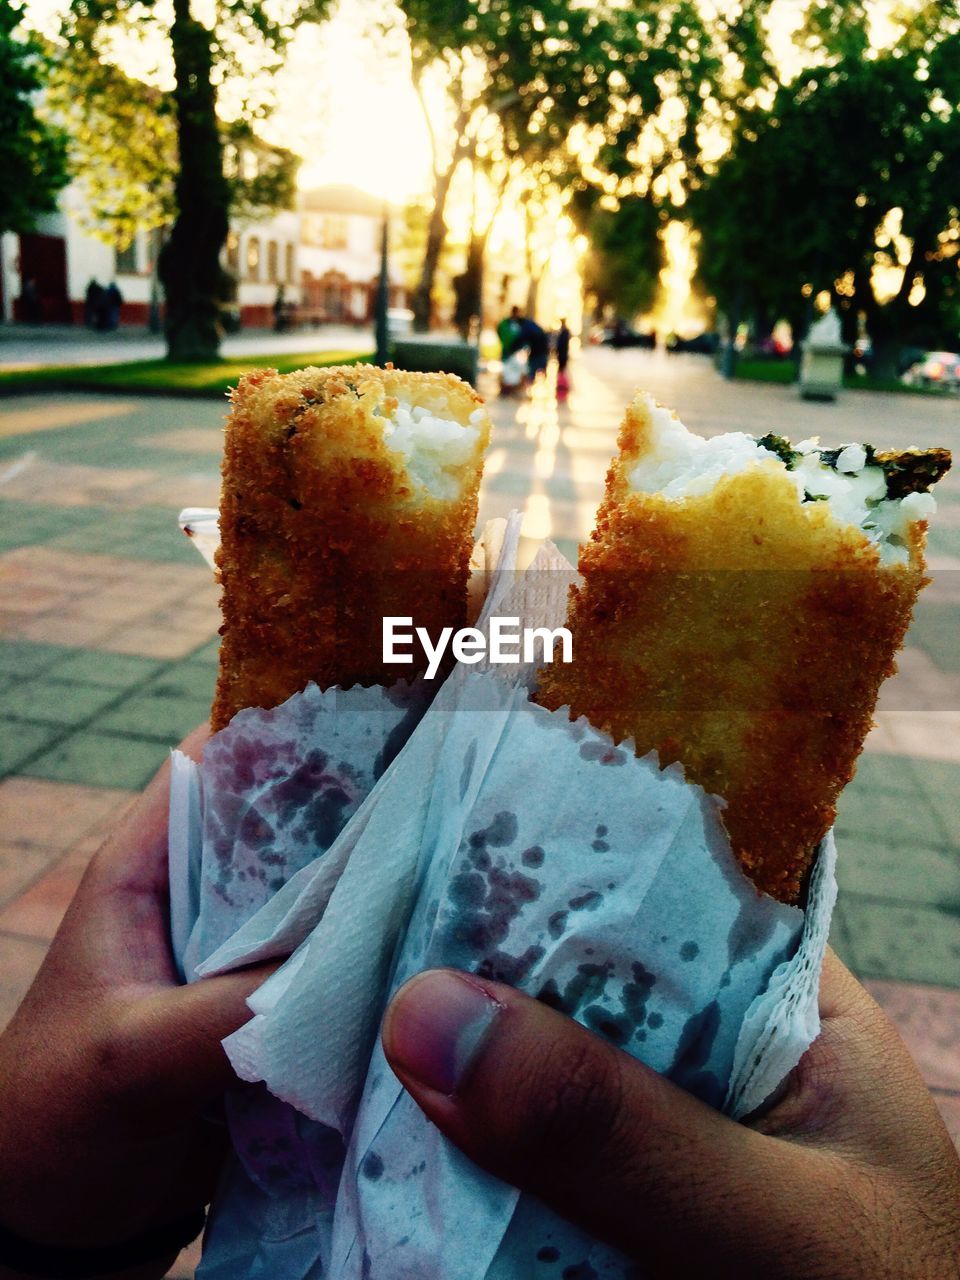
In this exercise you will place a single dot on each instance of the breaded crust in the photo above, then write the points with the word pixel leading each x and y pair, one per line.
pixel 323 533
pixel 743 634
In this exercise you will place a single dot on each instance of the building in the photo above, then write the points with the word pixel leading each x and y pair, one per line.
pixel 325 254
pixel 263 257
pixel 340 239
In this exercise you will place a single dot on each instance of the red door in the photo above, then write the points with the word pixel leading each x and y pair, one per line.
pixel 43 260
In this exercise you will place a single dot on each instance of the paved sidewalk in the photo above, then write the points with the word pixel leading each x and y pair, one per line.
pixel 25 346
pixel 108 648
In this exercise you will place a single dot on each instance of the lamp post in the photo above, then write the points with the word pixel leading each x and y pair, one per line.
pixel 383 295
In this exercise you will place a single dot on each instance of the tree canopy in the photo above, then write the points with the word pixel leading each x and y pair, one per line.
pixel 123 150
pixel 248 35
pixel 562 87
pixel 33 154
pixel 846 184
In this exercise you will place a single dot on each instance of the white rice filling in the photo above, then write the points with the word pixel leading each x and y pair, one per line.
pixel 434 448
pixel 683 465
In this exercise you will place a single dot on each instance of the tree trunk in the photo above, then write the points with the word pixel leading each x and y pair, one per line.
pixel 763 322
pixel 886 340
pixel 422 303
pixel 728 352
pixel 469 288
pixel 885 357
pixel 533 294
pixel 190 262
pixel 533 277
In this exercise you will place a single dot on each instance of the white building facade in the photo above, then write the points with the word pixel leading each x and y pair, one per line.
pixel 340 248
pixel 324 256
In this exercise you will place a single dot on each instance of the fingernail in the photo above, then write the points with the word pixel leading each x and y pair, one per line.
pixel 436 1025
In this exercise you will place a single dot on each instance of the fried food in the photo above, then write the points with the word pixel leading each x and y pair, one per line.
pixel 348 494
pixel 741 603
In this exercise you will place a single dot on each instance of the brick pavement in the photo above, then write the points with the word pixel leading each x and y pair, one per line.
pixel 108 649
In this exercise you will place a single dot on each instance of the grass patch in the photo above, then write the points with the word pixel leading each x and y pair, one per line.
pixel 863 382
pixel 785 371
pixel 781 371
pixel 164 377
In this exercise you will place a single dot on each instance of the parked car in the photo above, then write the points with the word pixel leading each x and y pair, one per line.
pixel 621 335
pixel 703 344
pixel 936 369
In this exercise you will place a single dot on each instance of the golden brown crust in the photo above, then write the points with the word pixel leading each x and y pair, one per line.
pixel 323 532
pixel 744 634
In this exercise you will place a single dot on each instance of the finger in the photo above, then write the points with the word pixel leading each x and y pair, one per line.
pixel 857 1089
pixel 121 908
pixel 168 1047
pixel 539 1101
pixel 135 854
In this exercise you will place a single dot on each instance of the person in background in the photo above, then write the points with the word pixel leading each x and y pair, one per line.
pixel 112 302
pixel 280 311
pixel 561 343
pixel 92 304
pixel 511 373
pixel 562 346
pixel 507 331
pixel 536 341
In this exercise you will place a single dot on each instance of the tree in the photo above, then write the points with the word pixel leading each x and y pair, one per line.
pixel 247 33
pixel 122 138
pixel 534 72
pixel 33 156
pixel 847 184
pixel 123 146
pixel 712 65
pixel 626 252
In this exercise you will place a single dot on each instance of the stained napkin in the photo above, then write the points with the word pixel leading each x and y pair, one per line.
pixel 509 841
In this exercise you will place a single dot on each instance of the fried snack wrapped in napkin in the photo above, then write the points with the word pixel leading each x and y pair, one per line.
pixel 742 602
pixel 349 494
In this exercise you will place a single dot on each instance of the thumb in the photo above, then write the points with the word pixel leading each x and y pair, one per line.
pixel 541 1102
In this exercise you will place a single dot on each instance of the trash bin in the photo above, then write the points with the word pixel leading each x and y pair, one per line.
pixel 821 365
pixel 437 355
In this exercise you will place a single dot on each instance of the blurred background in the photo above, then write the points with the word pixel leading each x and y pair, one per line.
pixel 693 172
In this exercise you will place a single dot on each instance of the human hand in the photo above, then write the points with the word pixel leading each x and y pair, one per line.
pixel 109 1064
pixel 850 1175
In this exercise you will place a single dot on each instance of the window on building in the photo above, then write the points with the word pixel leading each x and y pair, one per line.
pixel 310 228
pixel 253 258
pixel 272 261
pixel 289 271
pixel 126 259
pixel 233 252
pixel 333 232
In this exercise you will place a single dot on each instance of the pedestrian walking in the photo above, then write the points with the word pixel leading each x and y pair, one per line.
pixel 561 345
pixel 537 343
pixel 93 304
pixel 112 302
pixel 511 371
pixel 280 316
